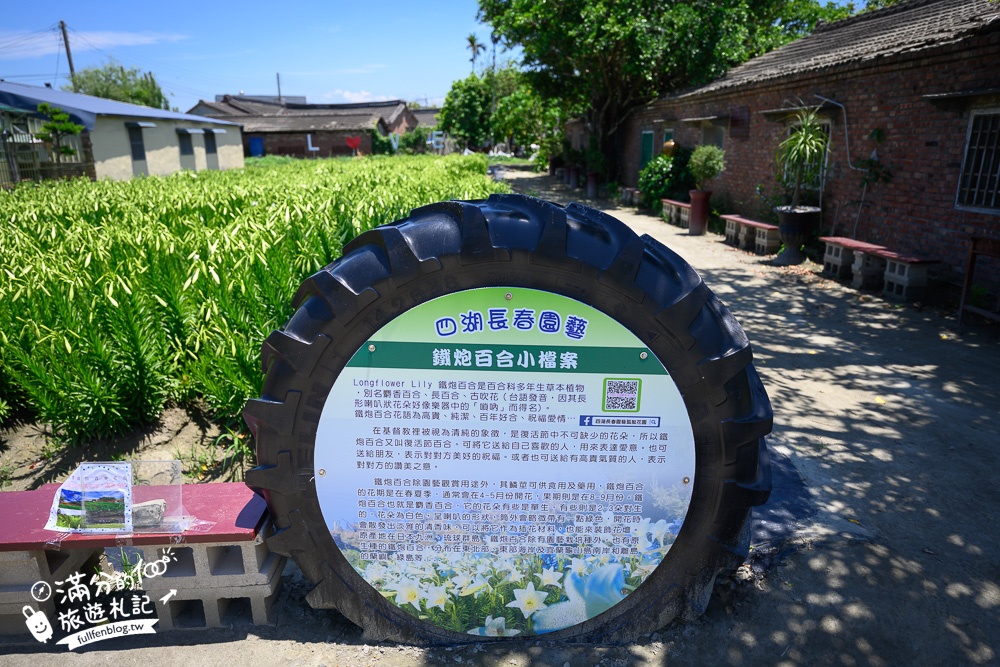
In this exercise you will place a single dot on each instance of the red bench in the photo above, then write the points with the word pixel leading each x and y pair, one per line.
pixel 839 258
pixel 222 557
pixel 903 275
pixel 745 233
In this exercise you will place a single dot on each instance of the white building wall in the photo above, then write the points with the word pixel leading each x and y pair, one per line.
pixel 113 153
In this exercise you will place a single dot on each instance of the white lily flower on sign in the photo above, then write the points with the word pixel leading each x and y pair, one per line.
pixel 528 600
pixel 494 627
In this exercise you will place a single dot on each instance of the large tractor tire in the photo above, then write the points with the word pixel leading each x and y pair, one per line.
pixel 690 449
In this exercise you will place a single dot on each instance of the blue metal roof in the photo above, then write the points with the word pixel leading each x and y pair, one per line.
pixel 84 109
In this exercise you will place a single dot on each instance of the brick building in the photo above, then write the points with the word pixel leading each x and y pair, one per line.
pixel 925 75
pixel 273 127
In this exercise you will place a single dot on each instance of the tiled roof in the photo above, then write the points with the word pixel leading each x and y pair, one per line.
pixel 904 28
pixel 256 115
pixel 337 123
pixel 426 117
pixel 233 105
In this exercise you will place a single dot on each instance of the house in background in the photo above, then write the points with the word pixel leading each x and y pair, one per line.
pixel 119 140
pixel 427 117
pixel 273 127
pixel 923 75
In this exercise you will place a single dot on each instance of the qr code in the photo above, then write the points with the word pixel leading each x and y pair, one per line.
pixel 621 395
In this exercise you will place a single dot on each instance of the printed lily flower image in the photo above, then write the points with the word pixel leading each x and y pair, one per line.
pixel 437 596
pixel 495 627
pixel 588 597
pixel 408 593
pixel 528 600
pixel 471 592
pixel 550 577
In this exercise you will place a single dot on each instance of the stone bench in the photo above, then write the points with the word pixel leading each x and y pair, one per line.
pixel 223 558
pixel 905 276
pixel 677 212
pixel 841 254
pixel 745 233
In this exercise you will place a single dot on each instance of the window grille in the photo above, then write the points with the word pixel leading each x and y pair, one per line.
pixel 979 185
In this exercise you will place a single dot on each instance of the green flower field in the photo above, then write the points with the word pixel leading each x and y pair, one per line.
pixel 119 298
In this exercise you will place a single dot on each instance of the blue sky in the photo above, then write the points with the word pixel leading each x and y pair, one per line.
pixel 330 52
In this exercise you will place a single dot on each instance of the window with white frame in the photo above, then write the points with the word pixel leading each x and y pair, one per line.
pixel 979 183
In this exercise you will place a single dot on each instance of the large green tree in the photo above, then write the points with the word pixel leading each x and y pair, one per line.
pixel 612 56
pixel 112 81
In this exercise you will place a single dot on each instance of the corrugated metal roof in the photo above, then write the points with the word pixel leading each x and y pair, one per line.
pixel 84 109
pixel 904 28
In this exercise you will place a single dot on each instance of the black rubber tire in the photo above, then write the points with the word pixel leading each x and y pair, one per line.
pixel 518 241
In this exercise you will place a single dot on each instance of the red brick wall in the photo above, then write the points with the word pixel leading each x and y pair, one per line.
pixel 923 145
pixel 330 144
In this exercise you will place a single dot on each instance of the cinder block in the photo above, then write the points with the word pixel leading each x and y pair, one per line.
pixel 904 281
pixel 732 232
pixel 837 260
pixel 867 270
pixel 19 570
pixel 213 574
pixel 767 241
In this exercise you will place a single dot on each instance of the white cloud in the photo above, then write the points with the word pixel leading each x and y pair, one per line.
pixel 18 45
pixel 354 96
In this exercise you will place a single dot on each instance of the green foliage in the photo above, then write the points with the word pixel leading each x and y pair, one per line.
pixel 414 142
pixel 475 47
pixel 113 82
pixel 608 58
pixel 874 170
pixel 381 144
pixel 666 178
pixel 56 129
pixel 465 114
pixel 706 163
pixel 117 297
pixel 800 154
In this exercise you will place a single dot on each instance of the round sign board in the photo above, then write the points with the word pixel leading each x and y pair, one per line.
pixel 504 419
pixel 518 461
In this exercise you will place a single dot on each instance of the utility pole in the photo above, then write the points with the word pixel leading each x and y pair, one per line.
pixel 278 75
pixel 69 56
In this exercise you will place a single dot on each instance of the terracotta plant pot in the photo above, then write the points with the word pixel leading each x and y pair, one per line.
pixel 796 226
pixel 698 222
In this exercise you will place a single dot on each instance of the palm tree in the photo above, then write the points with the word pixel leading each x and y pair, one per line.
pixel 476 47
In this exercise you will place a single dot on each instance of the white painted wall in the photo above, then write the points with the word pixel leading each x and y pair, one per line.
pixel 113 153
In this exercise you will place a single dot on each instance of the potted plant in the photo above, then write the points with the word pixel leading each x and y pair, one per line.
pixel 596 164
pixel 706 163
pixel 800 160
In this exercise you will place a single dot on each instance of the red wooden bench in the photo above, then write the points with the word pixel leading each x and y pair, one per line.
pixel 222 557
pixel 745 233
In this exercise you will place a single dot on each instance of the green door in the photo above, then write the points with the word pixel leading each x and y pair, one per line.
pixel 646 148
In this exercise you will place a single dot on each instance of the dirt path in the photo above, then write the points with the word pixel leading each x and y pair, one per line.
pixel 890 417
